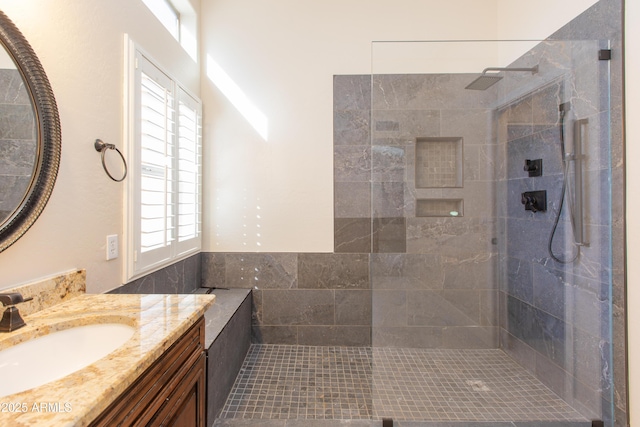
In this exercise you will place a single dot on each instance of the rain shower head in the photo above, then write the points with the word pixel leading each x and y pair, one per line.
pixel 485 81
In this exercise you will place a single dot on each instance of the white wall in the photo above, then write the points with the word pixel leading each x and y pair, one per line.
pixel 80 45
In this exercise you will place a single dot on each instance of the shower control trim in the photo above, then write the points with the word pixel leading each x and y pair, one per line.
pixel 534 167
pixel 534 201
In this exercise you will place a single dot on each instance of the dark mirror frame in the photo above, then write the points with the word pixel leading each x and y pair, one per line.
pixel 49 141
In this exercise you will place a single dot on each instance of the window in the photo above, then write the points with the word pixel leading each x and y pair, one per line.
pixel 163 202
pixel 180 20
pixel 166 14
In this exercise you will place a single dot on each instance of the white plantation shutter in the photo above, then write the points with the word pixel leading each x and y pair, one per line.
pixel 156 153
pixel 165 204
pixel 189 168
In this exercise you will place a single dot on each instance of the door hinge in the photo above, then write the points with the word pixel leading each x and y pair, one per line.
pixel 604 54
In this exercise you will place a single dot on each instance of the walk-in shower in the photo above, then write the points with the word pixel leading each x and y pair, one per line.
pixel 492 278
pixel 453 295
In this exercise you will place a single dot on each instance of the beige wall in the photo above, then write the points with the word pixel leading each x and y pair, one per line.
pixel 80 44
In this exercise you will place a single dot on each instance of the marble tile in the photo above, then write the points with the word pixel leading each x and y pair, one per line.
pixel 351 92
pixel 520 279
pixel 387 163
pixel 352 235
pixel 333 271
pixel 480 162
pixel 449 236
pixel 353 307
pixel 261 270
pixel 226 346
pixel 465 301
pixel 405 124
pixel 351 127
pixel 13 189
pixel 389 308
pixel 181 277
pixel 406 271
pixel 213 270
pixel 518 350
pixel 475 271
pixel 218 315
pixel 16 122
pixel 17 157
pixel 263 334
pixel 298 307
pixel 352 200
pixel 337 335
pixel 429 308
pixel 389 235
pixel 387 199
pixel 14 91
pixel 426 91
pixel 352 163
pixel 557 379
pixel 473 125
pixel 543 332
pixel 551 293
pixel 592 367
pixel 544 106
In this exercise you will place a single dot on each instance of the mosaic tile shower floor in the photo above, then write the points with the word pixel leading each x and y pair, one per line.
pixel 281 382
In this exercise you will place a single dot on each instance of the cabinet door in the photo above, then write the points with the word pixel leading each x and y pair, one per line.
pixel 164 386
pixel 186 407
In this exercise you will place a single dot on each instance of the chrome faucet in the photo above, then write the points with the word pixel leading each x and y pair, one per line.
pixel 11 319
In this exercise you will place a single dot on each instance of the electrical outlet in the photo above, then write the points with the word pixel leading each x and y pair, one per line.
pixel 112 247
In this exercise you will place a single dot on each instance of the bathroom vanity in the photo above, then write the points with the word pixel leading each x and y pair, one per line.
pixel 156 377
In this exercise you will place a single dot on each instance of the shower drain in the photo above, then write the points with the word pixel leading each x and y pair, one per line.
pixel 478 385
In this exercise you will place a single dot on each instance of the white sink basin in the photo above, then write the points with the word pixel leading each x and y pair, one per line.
pixel 50 357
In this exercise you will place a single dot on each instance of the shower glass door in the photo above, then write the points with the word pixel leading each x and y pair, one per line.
pixel 491 231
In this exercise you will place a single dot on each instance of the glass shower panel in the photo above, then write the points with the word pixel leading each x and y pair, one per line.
pixel 490 229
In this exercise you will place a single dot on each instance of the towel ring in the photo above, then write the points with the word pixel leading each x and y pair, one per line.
pixel 102 148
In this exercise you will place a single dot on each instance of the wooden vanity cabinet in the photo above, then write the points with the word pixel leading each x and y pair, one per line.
pixel 171 392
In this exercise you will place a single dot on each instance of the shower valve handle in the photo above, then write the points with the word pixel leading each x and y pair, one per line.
pixel 534 201
pixel 534 167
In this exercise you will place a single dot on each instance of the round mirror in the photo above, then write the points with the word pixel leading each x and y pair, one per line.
pixel 30 138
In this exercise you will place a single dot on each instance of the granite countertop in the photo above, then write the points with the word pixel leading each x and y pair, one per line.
pixel 79 398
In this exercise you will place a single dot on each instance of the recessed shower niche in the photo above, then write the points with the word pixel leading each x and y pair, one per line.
pixel 439 207
pixel 439 162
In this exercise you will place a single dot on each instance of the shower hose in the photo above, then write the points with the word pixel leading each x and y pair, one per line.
pixel 565 177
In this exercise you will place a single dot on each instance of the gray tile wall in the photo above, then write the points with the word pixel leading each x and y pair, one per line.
pixel 182 277
pixel 17 142
pixel 557 319
pixel 437 288
pixel 300 298
pixel 225 356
